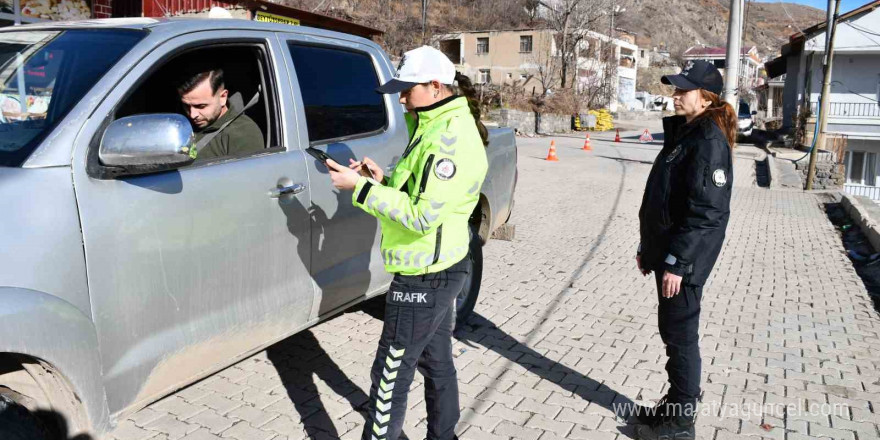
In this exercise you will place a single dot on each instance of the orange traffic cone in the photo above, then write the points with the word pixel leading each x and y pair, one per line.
pixel 617 136
pixel 551 156
pixel 587 146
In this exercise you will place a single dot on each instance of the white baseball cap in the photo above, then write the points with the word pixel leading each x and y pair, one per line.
pixel 419 66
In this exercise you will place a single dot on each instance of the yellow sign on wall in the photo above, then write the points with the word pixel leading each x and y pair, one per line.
pixel 272 18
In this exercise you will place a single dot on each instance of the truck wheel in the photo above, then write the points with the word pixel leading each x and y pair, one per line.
pixel 17 423
pixel 467 298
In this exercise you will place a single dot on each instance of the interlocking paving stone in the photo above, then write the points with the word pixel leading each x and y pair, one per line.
pixel 566 328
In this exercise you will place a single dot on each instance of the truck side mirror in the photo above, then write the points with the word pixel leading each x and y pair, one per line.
pixel 150 143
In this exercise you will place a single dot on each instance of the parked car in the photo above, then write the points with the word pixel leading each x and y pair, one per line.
pixel 131 270
pixel 745 120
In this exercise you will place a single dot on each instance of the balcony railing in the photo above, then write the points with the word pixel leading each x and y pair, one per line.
pixel 872 192
pixel 850 109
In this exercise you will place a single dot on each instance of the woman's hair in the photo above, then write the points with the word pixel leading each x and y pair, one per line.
pixel 722 114
pixel 466 88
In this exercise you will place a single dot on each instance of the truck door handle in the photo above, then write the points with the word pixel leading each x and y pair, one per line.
pixel 279 191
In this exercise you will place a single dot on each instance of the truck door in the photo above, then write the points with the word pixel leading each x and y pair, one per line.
pixel 340 113
pixel 193 268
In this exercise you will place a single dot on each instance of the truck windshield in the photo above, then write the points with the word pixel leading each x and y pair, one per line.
pixel 43 74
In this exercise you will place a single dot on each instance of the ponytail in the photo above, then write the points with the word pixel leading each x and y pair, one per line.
pixel 722 114
pixel 466 88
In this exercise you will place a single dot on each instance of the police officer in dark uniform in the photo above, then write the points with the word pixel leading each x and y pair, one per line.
pixel 683 219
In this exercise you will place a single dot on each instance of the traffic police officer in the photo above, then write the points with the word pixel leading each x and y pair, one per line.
pixel 423 209
pixel 683 219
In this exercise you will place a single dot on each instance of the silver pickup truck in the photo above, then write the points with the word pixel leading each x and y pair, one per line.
pixel 129 269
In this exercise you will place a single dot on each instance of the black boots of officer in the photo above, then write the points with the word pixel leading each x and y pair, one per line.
pixel 678 320
pixel 666 421
pixel 419 319
pixel 668 428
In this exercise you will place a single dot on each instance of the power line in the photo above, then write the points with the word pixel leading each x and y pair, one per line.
pixel 853 92
pixel 862 30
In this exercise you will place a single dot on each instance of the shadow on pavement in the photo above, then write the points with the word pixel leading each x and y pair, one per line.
pixel 621 159
pixel 554 304
pixel 298 360
pixel 480 329
pixel 18 423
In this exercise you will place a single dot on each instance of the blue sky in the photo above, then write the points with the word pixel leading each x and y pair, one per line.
pixel 845 5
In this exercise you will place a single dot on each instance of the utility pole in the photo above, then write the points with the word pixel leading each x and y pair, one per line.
pixel 830 30
pixel 734 49
pixel 424 19
pixel 612 53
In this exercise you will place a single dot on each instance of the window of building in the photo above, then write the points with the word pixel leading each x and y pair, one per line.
pixel 861 168
pixel 484 76
pixel 525 44
pixel 482 45
pixel 642 53
pixel 509 76
pixel 339 102
pixel 523 77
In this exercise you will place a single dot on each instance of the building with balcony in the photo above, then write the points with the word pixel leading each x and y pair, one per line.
pixel 530 58
pixel 854 101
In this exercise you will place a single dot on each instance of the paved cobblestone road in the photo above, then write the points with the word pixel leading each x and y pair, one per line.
pixel 566 327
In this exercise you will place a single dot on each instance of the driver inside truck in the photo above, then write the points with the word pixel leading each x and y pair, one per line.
pixel 218 120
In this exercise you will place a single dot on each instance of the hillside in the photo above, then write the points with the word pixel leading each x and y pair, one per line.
pixel 678 24
pixel 675 24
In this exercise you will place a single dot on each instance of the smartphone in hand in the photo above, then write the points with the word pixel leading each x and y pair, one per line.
pixel 319 155
pixel 364 170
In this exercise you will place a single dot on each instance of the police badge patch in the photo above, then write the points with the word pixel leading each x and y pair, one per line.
pixel 719 178
pixel 444 169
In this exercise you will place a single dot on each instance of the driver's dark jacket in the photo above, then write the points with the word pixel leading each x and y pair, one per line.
pixel 686 206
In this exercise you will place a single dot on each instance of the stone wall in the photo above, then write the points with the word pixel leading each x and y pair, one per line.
pixel 829 175
pixel 524 122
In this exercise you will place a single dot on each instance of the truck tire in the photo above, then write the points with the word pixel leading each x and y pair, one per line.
pixel 467 298
pixel 17 423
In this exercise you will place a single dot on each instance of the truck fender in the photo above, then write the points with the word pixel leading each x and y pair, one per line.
pixel 53 331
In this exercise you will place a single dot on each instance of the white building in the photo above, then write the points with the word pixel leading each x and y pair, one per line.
pixel 854 109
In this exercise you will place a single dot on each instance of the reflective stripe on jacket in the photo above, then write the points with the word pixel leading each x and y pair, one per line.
pixel 425 204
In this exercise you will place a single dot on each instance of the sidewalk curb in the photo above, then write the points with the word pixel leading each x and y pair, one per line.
pixel 860 208
pixel 771 171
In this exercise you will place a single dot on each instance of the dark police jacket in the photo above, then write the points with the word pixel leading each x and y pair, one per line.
pixel 686 204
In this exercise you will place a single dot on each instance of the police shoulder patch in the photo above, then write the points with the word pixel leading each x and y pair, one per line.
pixel 719 178
pixel 444 169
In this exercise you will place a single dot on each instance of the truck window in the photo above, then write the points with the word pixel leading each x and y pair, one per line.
pixel 194 83
pixel 339 93
pixel 43 74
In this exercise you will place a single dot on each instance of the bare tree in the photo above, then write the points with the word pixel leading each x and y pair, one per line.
pixel 543 65
pixel 572 19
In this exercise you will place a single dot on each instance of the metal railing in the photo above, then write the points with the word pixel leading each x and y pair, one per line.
pixel 850 109
pixel 872 192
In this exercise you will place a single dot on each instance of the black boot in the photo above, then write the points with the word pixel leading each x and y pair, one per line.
pixel 668 428
pixel 644 415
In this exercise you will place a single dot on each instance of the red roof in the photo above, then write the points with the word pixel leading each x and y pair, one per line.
pixel 712 51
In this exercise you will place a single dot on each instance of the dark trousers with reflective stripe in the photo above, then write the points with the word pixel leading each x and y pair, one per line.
pixel 419 319
pixel 679 321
